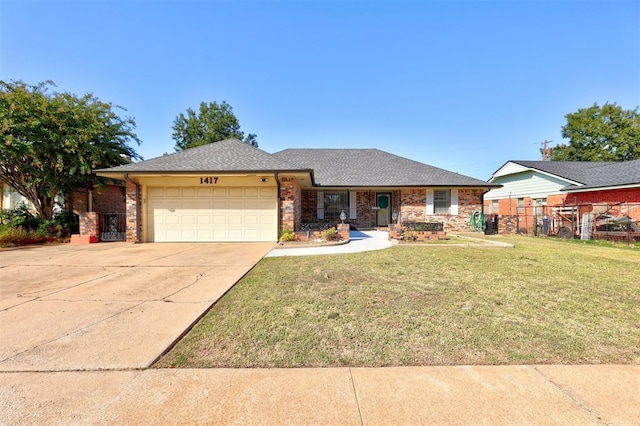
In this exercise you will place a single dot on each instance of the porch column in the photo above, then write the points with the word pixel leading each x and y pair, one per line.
pixel 89 229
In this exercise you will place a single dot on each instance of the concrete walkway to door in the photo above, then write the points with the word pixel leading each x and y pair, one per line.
pixel 358 241
pixel 109 305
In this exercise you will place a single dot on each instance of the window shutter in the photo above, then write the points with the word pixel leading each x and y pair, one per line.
pixel 320 205
pixel 454 202
pixel 429 201
pixel 352 205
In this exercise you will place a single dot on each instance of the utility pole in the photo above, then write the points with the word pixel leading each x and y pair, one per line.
pixel 546 152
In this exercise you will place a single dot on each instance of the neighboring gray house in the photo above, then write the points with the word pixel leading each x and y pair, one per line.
pixel 231 191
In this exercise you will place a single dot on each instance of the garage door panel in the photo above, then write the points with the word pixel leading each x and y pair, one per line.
pixel 188 192
pixel 235 219
pixel 187 219
pixel 212 214
pixel 235 192
pixel 251 220
pixel 203 192
pixel 266 220
pixel 171 220
pixel 251 192
pixel 204 219
pixel 172 192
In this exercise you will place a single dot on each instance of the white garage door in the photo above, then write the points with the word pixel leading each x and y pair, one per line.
pixel 193 214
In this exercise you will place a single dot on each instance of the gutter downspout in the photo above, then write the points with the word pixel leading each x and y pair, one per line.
pixel 484 217
pixel 126 178
pixel 275 176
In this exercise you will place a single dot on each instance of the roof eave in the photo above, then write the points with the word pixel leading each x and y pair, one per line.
pixel 121 174
pixel 589 188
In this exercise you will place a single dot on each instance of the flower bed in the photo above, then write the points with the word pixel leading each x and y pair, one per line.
pixel 419 231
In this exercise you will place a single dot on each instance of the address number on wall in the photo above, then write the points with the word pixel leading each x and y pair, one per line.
pixel 209 180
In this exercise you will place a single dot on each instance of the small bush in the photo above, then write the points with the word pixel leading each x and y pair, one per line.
pixel 21 216
pixel 11 236
pixel 330 234
pixel 61 226
pixel 287 235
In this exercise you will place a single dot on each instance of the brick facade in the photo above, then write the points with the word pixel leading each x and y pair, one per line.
pixel 134 212
pixel 469 201
pixel 89 224
pixel 410 204
pixel 290 203
pixel 365 215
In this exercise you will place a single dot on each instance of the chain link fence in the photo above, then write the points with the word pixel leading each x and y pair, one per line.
pixel 617 222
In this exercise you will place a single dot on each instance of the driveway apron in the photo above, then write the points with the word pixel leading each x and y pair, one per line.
pixel 109 305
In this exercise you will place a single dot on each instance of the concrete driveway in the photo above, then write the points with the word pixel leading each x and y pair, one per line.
pixel 110 305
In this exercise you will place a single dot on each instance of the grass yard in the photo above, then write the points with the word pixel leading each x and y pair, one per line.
pixel 544 301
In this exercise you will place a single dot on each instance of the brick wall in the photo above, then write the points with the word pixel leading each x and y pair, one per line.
pixel 365 215
pixel 631 195
pixel 409 203
pixel 131 209
pixel 290 203
pixel 414 206
pixel 89 224
pixel 108 199
pixel 309 206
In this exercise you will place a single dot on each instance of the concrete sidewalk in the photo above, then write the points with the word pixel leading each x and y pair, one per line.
pixel 358 241
pixel 513 395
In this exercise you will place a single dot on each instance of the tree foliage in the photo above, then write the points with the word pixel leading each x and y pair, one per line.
pixel 51 142
pixel 212 122
pixel 606 133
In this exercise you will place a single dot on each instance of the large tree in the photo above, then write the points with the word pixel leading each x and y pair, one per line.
pixel 212 122
pixel 606 133
pixel 51 142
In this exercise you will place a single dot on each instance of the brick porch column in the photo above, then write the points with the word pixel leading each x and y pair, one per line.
pixel 89 229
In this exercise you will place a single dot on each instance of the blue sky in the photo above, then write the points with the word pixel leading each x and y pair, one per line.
pixel 461 85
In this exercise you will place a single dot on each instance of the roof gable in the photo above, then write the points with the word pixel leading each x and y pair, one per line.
pixel 371 167
pixel 573 171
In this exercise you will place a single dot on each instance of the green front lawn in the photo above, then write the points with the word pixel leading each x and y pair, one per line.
pixel 544 301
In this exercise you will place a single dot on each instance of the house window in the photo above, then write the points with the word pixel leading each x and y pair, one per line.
pixel 495 206
pixel 441 201
pixel 334 204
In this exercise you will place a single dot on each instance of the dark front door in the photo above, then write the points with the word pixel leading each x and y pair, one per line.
pixel 383 202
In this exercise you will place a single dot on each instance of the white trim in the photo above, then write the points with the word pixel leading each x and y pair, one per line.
pixel 601 188
pixel 454 203
pixel 320 205
pixel 353 211
pixel 430 209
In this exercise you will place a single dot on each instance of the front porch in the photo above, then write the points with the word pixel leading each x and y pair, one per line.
pixel 376 208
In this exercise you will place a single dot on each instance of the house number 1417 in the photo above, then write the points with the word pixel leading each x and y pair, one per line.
pixel 208 180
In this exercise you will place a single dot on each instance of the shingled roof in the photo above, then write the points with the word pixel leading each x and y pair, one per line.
pixel 328 167
pixel 571 170
pixel 230 155
pixel 612 174
pixel 372 167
